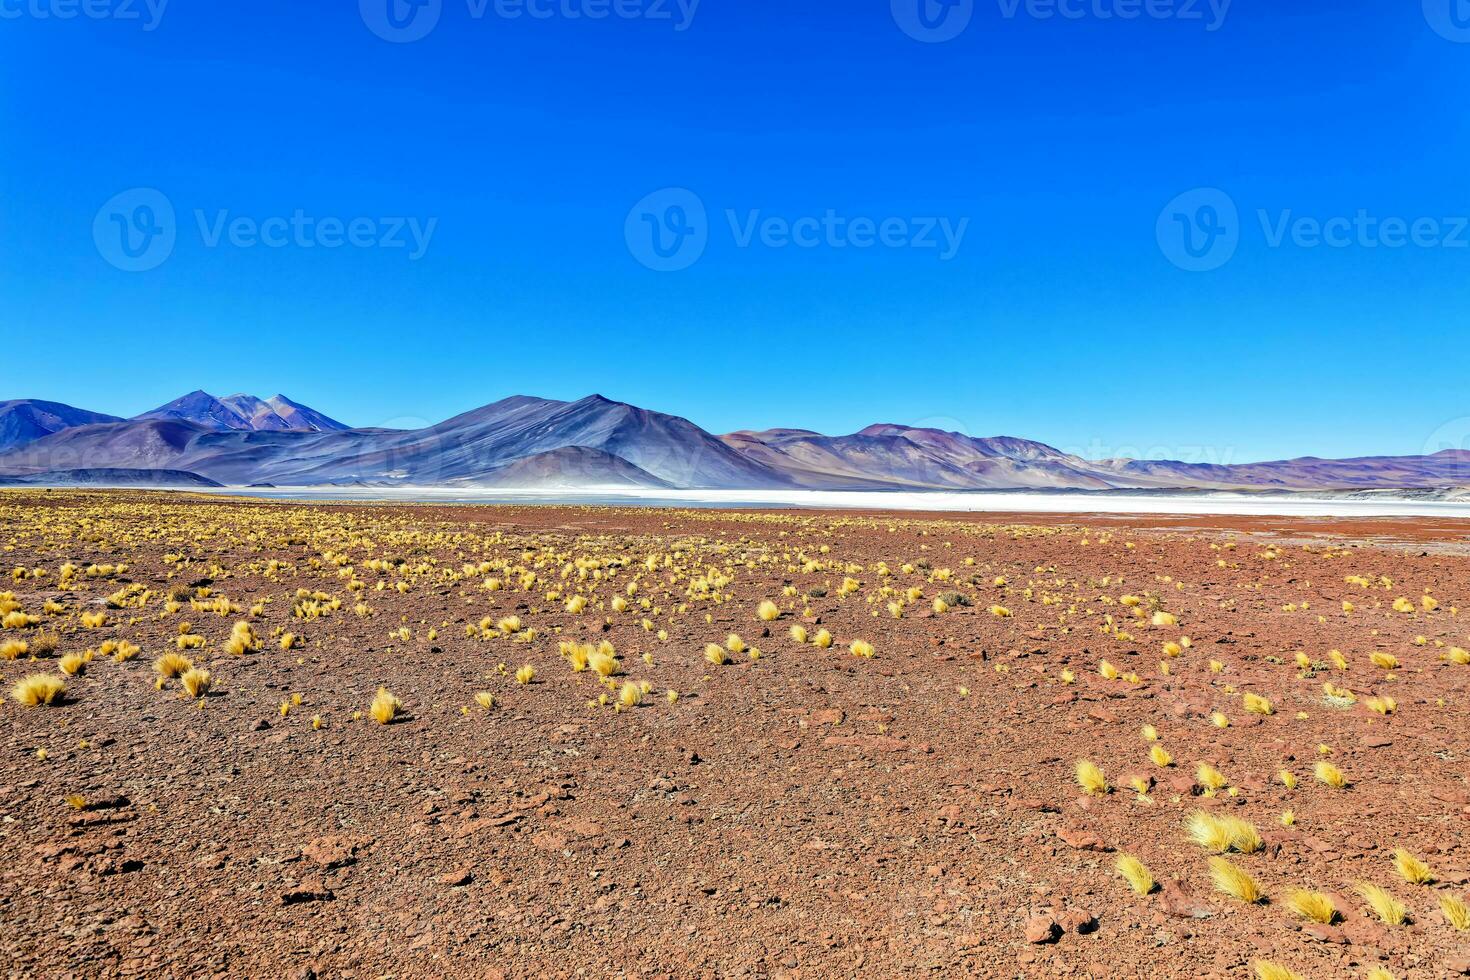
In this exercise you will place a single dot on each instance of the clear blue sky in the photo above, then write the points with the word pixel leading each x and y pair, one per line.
pixel 528 141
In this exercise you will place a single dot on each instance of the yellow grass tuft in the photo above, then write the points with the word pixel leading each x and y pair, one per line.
pixel 1139 878
pixel 385 706
pixel 630 696
pixel 1219 833
pixel 1327 773
pixel 1288 778
pixel 767 611
pixel 862 648
pixel 1455 911
pixel 525 674
pixel 71 664
pixel 485 699
pixel 1266 970
pixel 1313 906
pixel 1234 881
pixel 1390 911
pixel 1160 756
pixel 823 639
pixel 196 682
pixel 798 632
pixel 38 689
pixel 1411 869
pixel 1108 671
pixel 1090 777
pixel 715 654
pixel 1256 705
pixel 1385 660
pixel 172 665
pixel 1209 777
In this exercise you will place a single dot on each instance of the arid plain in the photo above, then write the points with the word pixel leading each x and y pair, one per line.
pixel 419 741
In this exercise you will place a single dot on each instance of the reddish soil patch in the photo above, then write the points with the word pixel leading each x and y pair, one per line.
pixel 806 814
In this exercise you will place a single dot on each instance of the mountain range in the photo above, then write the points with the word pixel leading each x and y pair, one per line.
pixel 529 442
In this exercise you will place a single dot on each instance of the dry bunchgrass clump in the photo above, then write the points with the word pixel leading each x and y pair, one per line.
pixel 14 649
pixel 242 639
pixel 38 689
pixel 1234 881
pixel 1266 970
pixel 1219 833
pixel 1256 705
pixel 71 664
pixel 1210 778
pixel 1139 878
pixel 1090 777
pixel 715 654
pixel 798 632
pixel 1389 910
pixel 768 611
pixel 1160 756
pixel 1313 906
pixel 172 665
pixel 1411 869
pixel 195 682
pixel 630 696
pixel 1329 774
pixel 385 707
pixel 485 699
pixel 1455 911
pixel 525 674
pixel 823 639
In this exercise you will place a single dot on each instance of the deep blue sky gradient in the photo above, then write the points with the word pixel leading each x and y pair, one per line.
pixel 1060 318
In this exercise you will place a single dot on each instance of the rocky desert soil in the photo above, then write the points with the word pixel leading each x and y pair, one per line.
pixel 904 801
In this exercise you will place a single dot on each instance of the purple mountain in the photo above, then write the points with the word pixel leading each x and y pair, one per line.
pixel 524 441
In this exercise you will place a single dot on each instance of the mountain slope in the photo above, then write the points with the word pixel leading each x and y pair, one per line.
pixel 299 417
pixel 24 420
pixel 525 441
pixel 244 413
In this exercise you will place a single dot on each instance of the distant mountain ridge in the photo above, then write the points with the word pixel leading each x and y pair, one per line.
pixel 244 413
pixel 523 441
pixel 24 420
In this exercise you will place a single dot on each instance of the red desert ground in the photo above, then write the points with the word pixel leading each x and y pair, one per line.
pixel 263 738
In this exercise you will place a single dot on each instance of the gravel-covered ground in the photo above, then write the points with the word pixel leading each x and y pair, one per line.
pixel 807 813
